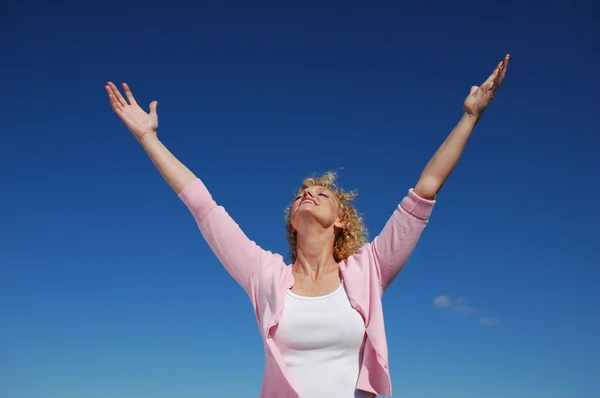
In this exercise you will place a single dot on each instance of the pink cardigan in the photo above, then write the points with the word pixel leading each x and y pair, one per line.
pixel 265 278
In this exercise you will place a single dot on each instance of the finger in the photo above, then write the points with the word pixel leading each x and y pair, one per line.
pixel 492 77
pixel 114 103
pixel 501 73
pixel 473 89
pixel 504 67
pixel 129 94
pixel 153 106
pixel 117 94
pixel 114 91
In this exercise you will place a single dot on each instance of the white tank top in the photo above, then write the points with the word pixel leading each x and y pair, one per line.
pixel 320 339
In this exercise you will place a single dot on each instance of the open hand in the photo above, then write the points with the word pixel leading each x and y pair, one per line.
pixel 135 118
pixel 480 97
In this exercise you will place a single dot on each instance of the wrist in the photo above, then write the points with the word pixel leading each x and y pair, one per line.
pixel 470 118
pixel 147 139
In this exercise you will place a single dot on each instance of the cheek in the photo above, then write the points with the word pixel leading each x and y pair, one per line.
pixel 333 210
pixel 293 212
pixel 294 208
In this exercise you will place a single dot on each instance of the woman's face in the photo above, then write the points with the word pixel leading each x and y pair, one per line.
pixel 315 204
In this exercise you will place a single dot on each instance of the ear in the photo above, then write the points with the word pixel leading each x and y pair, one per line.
pixel 339 224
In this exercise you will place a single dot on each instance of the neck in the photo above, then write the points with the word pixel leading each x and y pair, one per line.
pixel 314 254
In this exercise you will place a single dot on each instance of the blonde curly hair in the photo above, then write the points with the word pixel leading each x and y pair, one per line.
pixel 354 234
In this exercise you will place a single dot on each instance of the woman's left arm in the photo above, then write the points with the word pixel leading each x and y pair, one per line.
pixel 443 161
pixel 394 245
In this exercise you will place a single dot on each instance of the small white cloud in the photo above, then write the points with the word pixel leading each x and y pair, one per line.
pixel 458 305
pixel 490 321
pixel 442 302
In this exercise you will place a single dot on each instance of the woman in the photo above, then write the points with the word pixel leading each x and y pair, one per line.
pixel 321 318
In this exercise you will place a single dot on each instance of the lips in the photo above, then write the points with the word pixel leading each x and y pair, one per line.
pixel 308 200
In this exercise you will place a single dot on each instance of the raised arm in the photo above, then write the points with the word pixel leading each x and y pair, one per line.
pixel 144 127
pixel 241 257
pixel 394 245
pixel 443 161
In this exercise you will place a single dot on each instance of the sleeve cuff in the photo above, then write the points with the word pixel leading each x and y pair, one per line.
pixel 197 198
pixel 417 206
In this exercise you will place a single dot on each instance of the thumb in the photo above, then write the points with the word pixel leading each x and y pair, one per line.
pixel 473 89
pixel 153 105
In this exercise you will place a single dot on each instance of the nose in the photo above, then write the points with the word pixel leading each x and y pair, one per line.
pixel 307 193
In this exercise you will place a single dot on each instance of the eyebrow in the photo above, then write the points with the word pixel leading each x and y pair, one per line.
pixel 319 190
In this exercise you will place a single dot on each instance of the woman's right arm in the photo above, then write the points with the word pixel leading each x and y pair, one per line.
pixel 175 173
pixel 241 257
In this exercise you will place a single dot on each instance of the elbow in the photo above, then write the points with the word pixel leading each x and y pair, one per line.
pixel 428 187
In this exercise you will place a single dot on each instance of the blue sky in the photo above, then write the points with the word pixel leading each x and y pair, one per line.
pixel 106 286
